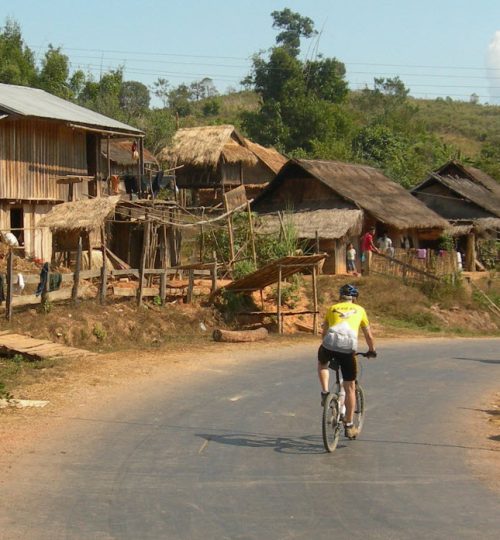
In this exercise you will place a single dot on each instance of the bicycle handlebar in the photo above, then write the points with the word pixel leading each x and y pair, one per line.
pixel 367 354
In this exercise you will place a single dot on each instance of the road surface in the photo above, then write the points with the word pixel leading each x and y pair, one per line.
pixel 233 451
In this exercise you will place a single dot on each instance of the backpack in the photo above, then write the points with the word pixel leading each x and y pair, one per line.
pixel 341 338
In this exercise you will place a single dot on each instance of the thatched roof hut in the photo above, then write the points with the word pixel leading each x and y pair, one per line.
pixel 459 192
pixel 219 156
pixel 205 146
pixel 335 185
pixel 86 215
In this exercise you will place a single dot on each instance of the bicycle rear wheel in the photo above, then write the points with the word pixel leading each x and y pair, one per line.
pixel 331 423
pixel 359 411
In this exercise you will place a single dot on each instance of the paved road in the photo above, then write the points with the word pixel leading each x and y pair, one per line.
pixel 229 454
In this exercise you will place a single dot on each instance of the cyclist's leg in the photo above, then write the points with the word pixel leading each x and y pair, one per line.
pixel 324 357
pixel 348 364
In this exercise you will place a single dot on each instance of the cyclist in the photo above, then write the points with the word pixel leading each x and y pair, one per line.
pixel 340 340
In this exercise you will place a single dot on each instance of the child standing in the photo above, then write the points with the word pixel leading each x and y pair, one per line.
pixel 351 259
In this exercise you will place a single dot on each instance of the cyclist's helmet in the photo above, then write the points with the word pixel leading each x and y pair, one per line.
pixel 348 290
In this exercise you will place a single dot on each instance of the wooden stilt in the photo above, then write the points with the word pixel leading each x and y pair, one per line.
pixel 10 285
pixel 280 329
pixel 315 299
pixel 76 275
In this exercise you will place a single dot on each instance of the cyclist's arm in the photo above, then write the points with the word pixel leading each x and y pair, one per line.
pixel 367 332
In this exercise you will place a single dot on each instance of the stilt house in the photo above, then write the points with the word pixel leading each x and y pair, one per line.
pixel 215 159
pixel 50 152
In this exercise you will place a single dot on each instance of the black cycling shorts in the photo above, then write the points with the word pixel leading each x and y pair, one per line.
pixel 346 361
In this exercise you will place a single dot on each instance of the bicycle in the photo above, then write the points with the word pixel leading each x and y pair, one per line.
pixel 333 414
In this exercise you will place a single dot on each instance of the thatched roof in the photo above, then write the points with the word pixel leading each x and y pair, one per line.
pixel 205 146
pixel 366 188
pixel 269 156
pixel 120 152
pixel 466 182
pixel 86 214
pixel 329 224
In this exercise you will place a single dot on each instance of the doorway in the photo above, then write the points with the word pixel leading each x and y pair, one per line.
pixel 17 223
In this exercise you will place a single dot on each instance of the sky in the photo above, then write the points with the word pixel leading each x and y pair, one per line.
pixel 438 48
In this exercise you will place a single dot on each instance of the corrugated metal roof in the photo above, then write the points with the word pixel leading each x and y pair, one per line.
pixel 37 103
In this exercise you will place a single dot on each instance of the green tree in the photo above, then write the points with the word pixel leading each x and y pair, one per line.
pixel 298 99
pixel 160 90
pixel 159 126
pixel 17 61
pixel 134 99
pixel 293 26
pixel 54 74
pixel 103 96
pixel 179 100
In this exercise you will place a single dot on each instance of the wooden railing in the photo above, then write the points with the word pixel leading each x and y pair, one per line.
pixel 149 282
pixel 409 267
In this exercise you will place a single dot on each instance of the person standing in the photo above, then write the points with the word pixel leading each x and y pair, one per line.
pixel 367 248
pixel 351 259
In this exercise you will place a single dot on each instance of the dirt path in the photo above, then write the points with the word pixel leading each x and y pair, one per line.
pixel 89 384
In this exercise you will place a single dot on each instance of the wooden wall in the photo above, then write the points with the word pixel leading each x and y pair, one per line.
pixel 33 153
pixel 37 242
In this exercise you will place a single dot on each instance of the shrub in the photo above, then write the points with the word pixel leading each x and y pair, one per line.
pixel 99 332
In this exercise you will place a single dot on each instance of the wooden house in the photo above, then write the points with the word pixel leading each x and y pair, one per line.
pixel 468 199
pixel 217 159
pixel 49 153
pixel 335 202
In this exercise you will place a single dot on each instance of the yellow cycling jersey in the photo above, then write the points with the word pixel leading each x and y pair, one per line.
pixel 346 312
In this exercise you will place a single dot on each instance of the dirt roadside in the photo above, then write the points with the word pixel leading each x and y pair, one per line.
pixel 87 385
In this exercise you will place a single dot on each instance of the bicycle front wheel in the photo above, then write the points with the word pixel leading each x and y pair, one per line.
pixel 359 411
pixel 331 423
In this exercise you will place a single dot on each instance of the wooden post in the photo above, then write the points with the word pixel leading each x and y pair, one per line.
pixel 202 243
pixel 470 253
pixel 317 242
pixel 145 246
pixel 252 235
pixel 104 270
pixel 163 287
pixel 214 274
pixel 89 250
pixel 76 275
pixel 231 239
pixel 10 285
pixel 189 297
pixel 46 288
pixel 109 165
pixel 279 301
pixel 315 299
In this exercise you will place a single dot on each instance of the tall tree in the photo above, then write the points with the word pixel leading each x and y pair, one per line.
pixel 54 74
pixel 134 99
pixel 298 99
pixel 293 26
pixel 17 61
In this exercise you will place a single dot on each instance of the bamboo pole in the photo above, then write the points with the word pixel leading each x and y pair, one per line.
pixel 252 234
pixel 163 287
pixel 10 285
pixel 315 299
pixel 231 240
pixel 189 297
pixel 145 242
pixel 76 275
pixel 104 273
pixel 280 330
